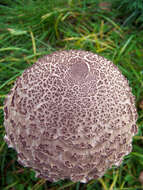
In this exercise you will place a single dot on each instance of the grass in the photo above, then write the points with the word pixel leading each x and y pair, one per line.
pixel 33 28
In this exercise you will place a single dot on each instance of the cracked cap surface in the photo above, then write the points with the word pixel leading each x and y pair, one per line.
pixel 71 115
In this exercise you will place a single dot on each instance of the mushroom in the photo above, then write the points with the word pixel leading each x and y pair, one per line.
pixel 71 115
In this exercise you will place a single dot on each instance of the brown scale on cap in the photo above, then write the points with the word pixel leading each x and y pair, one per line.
pixel 71 115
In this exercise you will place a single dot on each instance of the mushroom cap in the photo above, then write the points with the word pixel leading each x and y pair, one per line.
pixel 70 116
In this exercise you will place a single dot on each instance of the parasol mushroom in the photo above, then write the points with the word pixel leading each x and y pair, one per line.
pixel 71 116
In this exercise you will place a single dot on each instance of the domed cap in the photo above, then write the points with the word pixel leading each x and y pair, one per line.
pixel 71 115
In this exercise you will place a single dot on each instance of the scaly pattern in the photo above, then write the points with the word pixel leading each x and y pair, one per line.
pixel 71 115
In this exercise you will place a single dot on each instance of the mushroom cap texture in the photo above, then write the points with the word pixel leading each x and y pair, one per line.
pixel 71 115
